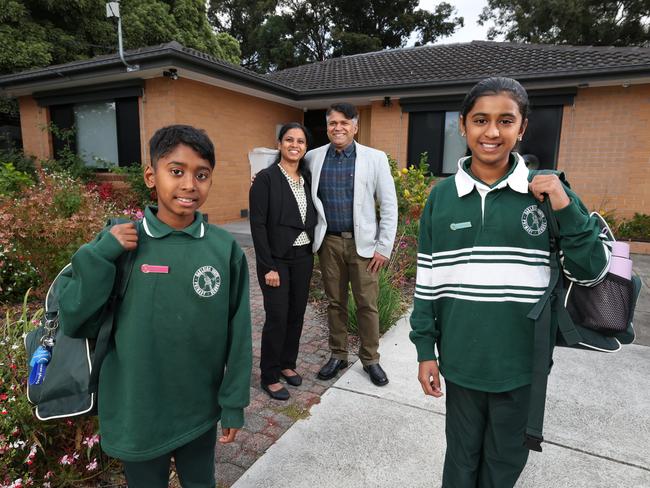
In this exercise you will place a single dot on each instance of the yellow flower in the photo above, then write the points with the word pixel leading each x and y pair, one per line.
pixel 404 171
pixel 407 193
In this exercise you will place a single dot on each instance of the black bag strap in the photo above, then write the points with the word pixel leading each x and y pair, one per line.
pixel 124 266
pixel 545 334
pixel 567 328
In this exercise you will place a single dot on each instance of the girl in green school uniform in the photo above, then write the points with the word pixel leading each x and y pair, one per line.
pixel 483 263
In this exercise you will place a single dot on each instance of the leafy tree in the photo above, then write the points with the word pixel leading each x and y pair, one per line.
pixel 277 34
pixel 150 22
pixel 578 22
pixel 371 25
pixel 36 33
pixel 242 19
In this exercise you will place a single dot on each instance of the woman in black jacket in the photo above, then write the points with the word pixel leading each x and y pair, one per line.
pixel 282 219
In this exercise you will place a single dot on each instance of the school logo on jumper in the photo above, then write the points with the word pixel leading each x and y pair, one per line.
pixel 533 220
pixel 206 281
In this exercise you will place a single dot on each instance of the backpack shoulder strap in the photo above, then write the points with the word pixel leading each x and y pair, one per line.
pixel 545 333
pixel 124 266
pixel 560 174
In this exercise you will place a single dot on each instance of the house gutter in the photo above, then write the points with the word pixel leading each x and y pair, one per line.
pixel 149 59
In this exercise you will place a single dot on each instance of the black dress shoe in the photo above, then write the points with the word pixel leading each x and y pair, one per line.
pixel 377 374
pixel 332 367
pixel 295 380
pixel 281 394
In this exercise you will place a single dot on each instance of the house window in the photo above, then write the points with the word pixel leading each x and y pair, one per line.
pixel 105 121
pixel 106 133
pixel 454 146
pixel 435 133
pixel 96 133
pixel 433 128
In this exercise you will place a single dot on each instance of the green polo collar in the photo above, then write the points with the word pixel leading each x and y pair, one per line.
pixel 158 229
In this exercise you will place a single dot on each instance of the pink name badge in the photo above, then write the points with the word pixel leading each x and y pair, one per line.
pixel 150 268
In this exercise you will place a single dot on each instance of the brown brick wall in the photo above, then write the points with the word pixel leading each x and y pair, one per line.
pixel 33 120
pixel 605 148
pixel 390 130
pixel 235 122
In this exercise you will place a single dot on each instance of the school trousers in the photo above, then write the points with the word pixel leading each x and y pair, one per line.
pixel 485 437
pixel 343 268
pixel 285 311
pixel 194 465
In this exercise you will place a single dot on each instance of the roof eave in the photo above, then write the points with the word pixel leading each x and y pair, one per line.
pixel 541 80
pixel 94 70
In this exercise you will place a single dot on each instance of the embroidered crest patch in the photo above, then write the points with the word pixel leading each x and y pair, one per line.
pixel 206 281
pixel 533 220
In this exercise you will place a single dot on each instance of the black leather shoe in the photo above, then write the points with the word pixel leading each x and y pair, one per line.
pixel 332 367
pixel 295 380
pixel 377 374
pixel 281 394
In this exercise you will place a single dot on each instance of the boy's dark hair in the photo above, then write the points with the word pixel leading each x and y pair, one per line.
pixel 167 138
pixel 347 109
pixel 494 86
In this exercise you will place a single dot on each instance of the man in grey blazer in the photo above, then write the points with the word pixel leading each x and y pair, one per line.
pixel 349 182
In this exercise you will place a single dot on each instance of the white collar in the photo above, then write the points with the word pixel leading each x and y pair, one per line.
pixel 517 180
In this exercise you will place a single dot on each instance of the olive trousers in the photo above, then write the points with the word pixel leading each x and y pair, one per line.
pixel 343 269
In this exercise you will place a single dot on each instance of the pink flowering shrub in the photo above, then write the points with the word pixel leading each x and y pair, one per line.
pixel 48 222
pixel 42 227
pixel 33 452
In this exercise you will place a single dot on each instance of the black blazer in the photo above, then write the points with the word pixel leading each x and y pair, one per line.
pixel 274 216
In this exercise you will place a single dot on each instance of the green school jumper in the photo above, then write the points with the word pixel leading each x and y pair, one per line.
pixel 483 263
pixel 182 355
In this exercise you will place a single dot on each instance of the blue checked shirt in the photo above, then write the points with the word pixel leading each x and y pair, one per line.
pixel 336 188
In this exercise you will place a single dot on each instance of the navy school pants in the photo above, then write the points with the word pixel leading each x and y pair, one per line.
pixel 485 437
pixel 194 466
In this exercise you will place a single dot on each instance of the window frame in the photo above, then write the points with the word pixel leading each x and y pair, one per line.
pixel 126 97
pixel 439 106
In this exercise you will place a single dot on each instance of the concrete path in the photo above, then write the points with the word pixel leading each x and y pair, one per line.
pixel 597 426
pixel 362 436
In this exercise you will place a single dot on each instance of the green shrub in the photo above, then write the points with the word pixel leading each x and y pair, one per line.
pixel 12 181
pixel 412 185
pixel 22 163
pixel 47 454
pixel 67 204
pixel 389 304
pixel 635 229
pixel 68 161
pixel 17 274
pixel 143 195
pixel 403 262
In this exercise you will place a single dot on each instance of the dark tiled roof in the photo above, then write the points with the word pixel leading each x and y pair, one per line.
pixel 449 64
pixel 143 56
pixel 426 67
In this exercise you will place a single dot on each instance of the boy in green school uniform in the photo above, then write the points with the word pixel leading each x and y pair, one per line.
pixel 181 356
